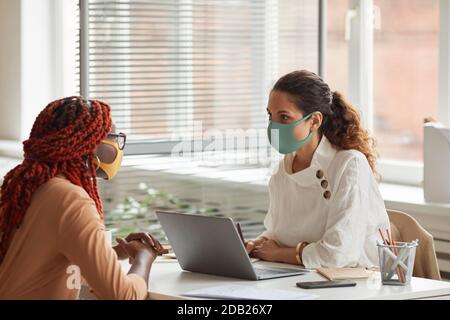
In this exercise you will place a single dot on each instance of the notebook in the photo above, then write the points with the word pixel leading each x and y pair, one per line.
pixel 344 273
pixel 248 292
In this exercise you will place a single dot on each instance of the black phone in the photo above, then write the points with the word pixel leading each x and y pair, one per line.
pixel 326 284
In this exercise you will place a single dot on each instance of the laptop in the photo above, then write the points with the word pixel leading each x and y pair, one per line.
pixel 212 245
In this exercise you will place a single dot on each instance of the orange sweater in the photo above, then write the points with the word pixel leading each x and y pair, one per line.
pixel 62 229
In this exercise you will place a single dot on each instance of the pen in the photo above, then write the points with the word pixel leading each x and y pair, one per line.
pixel 394 248
pixel 238 227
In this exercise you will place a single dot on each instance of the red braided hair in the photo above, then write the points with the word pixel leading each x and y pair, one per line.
pixel 62 141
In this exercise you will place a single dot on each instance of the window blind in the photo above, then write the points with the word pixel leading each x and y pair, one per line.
pixel 164 66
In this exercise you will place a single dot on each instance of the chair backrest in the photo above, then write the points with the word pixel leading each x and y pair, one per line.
pixel 406 228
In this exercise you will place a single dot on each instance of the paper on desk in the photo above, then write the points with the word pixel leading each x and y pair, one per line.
pixel 248 292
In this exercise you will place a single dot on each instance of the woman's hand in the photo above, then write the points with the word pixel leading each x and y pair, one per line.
pixel 121 253
pixel 137 244
pixel 251 245
pixel 142 249
pixel 267 250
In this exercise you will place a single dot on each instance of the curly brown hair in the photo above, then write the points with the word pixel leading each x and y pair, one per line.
pixel 342 123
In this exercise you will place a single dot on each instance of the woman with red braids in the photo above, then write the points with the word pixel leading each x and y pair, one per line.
pixel 51 222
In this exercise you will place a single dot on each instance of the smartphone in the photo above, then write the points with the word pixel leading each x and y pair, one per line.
pixel 326 284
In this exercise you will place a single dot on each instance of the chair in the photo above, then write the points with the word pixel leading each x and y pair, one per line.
pixel 406 228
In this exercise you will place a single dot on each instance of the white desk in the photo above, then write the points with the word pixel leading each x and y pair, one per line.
pixel 168 281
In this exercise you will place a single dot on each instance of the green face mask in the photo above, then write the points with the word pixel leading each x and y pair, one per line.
pixel 286 143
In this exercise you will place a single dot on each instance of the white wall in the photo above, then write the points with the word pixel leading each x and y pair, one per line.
pixel 10 68
pixel 34 41
pixel 36 60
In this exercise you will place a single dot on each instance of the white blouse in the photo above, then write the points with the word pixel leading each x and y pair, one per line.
pixel 339 218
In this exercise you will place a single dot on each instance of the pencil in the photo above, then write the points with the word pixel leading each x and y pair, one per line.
pixel 394 248
pixel 238 227
pixel 382 237
pixel 402 274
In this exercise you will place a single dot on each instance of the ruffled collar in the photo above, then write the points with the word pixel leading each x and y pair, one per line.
pixel 317 171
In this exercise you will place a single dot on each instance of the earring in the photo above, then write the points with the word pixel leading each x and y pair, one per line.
pixel 97 161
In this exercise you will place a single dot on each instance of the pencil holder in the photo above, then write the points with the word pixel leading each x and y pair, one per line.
pixel 397 262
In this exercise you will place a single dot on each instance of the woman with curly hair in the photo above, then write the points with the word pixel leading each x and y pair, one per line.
pixel 325 205
pixel 51 219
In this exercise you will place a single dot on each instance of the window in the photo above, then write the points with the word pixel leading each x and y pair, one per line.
pixel 406 59
pixel 384 56
pixel 165 65
pixel 337 46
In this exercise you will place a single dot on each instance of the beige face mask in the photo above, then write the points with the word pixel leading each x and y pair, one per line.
pixel 111 159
